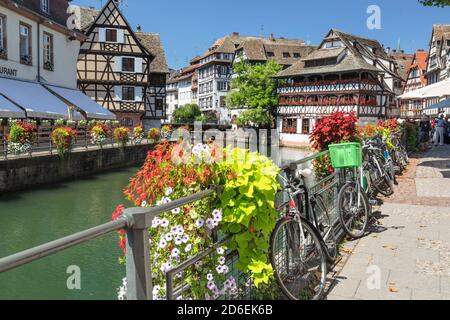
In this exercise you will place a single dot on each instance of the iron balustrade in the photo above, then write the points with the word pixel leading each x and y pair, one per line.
pixel 136 223
pixel 43 144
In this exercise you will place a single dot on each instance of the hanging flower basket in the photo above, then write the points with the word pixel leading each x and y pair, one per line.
pixel 21 137
pixel 64 138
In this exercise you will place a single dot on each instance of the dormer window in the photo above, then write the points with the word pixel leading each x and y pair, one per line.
pixel 45 6
pixel 297 55
pixel 333 44
pixel 270 54
pixel 286 55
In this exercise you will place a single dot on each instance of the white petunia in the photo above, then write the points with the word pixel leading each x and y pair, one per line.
pixel 209 277
pixel 220 251
pixel 210 223
pixel 164 223
pixel 188 248
pixel 168 191
pixel 185 238
pixel 168 237
pixel 178 241
pixel 175 253
pixel 166 201
pixel 156 222
pixel 162 244
pixel 144 203
pixel 222 260
pixel 176 211
pixel 200 223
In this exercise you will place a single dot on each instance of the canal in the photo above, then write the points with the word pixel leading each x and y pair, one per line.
pixel 31 218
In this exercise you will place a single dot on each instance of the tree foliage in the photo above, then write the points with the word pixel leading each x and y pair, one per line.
pixel 435 3
pixel 187 113
pixel 254 88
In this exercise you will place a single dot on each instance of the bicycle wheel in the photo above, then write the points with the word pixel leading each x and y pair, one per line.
pixel 381 180
pixel 326 228
pixel 298 259
pixel 354 210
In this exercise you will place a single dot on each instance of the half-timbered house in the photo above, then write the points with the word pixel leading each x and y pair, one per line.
pixel 347 73
pixel 123 70
pixel 413 108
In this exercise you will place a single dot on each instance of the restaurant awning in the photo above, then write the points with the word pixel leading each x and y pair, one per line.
pixel 82 102
pixel 440 105
pixel 9 109
pixel 436 90
pixel 34 98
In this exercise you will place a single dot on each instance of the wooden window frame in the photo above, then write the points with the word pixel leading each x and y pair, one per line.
pixel 128 59
pixel 48 63
pixel 45 9
pixel 125 93
pixel 308 126
pixel 26 60
pixel 114 32
pixel 3 35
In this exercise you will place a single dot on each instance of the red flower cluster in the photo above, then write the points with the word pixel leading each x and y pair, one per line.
pixel 161 170
pixel 336 128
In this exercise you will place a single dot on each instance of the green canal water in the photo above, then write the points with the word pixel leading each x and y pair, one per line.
pixel 28 219
pixel 31 218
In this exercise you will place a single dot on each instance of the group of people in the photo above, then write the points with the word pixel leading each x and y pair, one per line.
pixel 437 131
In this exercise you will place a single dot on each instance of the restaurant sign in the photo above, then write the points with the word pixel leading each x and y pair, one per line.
pixel 8 72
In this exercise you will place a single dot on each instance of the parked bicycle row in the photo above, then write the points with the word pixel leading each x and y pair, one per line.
pixel 304 243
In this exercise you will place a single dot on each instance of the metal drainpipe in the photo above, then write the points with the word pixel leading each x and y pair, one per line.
pixel 39 51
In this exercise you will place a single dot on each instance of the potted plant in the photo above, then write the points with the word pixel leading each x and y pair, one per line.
pixel 121 136
pixel 138 134
pixel 166 132
pixel 21 137
pixel 154 135
pixel 64 139
pixel 99 133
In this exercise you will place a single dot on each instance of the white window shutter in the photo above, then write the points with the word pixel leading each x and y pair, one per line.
pixel 138 65
pixel 138 93
pixel 120 36
pixel 118 93
pixel 101 35
pixel 118 62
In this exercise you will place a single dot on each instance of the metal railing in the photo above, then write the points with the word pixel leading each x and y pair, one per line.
pixel 136 223
pixel 43 144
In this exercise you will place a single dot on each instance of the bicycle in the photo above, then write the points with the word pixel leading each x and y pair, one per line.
pixel 303 241
pixel 354 205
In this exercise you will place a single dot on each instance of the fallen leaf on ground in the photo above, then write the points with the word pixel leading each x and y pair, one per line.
pixel 390 247
pixel 392 289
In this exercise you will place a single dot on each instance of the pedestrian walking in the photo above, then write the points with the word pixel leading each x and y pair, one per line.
pixel 441 126
pixel 424 132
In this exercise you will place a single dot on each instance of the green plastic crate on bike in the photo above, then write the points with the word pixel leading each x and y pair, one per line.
pixel 346 155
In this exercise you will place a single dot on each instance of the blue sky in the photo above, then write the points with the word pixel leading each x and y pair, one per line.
pixel 188 28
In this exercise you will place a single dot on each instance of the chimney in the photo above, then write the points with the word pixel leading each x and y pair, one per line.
pixel 394 50
pixel 402 51
pixel 139 28
pixel 271 37
pixel 388 50
pixel 235 34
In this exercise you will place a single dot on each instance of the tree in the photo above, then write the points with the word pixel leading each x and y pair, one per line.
pixel 435 3
pixel 187 113
pixel 254 88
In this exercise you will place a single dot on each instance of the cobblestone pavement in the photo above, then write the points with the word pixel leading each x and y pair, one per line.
pixel 407 256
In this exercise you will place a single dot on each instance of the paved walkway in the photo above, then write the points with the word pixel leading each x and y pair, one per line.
pixel 407 256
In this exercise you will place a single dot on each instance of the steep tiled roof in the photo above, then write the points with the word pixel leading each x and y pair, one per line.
pixel 404 61
pixel 441 31
pixel 348 64
pixel 152 42
pixel 88 16
pixel 358 49
pixel 58 9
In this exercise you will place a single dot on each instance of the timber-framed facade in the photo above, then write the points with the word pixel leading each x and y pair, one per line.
pixel 122 70
pixel 346 73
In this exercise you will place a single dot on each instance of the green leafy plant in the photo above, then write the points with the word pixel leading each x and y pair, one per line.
pixel 187 113
pixel 248 201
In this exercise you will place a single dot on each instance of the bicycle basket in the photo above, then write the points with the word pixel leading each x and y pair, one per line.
pixel 346 155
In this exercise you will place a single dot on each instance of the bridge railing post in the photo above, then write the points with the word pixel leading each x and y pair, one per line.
pixel 138 272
